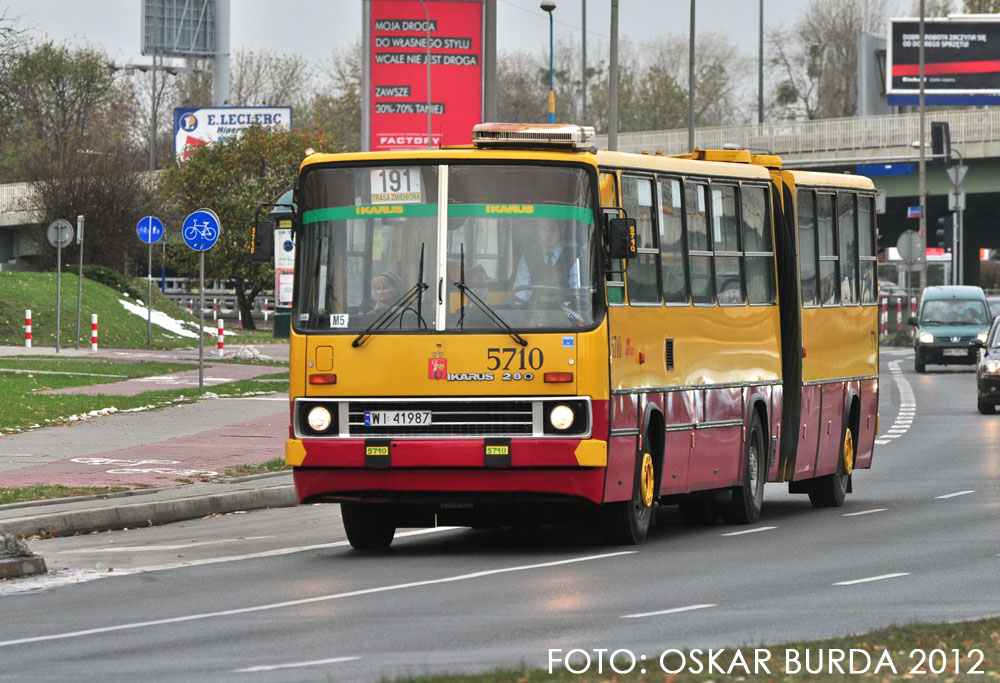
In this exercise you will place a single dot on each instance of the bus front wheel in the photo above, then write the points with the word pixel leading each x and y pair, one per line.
pixel 747 499
pixel 626 522
pixel 368 526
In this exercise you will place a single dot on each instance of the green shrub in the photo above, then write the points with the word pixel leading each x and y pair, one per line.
pixel 109 277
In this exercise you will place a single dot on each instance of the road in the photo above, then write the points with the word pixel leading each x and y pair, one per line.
pixel 278 595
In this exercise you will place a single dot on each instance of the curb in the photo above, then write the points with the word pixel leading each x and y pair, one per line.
pixel 149 513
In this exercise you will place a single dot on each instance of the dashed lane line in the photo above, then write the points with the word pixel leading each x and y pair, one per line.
pixel 750 531
pixel 295 665
pixel 953 495
pixel 907 405
pixel 872 578
pixel 674 610
pixel 864 512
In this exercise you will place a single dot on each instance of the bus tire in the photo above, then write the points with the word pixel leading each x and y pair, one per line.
pixel 367 526
pixel 830 491
pixel 748 497
pixel 626 522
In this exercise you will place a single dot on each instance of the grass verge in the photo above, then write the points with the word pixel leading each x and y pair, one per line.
pixel 273 465
pixel 963 651
pixel 29 493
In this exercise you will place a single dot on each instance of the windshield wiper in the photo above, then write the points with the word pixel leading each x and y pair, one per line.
pixel 399 307
pixel 483 306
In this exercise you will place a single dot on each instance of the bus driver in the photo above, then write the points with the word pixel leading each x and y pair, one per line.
pixel 548 272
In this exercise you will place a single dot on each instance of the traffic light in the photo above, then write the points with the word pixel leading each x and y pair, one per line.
pixel 941 143
pixel 945 231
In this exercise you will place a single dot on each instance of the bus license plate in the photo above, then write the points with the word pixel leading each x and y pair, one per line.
pixel 397 418
pixel 955 352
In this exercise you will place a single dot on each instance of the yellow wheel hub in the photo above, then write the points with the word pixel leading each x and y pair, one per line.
pixel 646 480
pixel 848 452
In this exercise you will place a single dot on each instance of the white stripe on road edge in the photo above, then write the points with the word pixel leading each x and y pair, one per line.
pixel 952 495
pixel 864 512
pixel 675 610
pixel 308 601
pixel 146 548
pixel 750 531
pixel 851 583
pixel 318 662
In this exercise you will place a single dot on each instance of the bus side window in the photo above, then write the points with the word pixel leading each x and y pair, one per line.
pixel 673 264
pixel 848 248
pixel 615 282
pixel 642 271
pixel 726 245
pixel 757 245
pixel 828 276
pixel 806 201
pixel 866 248
pixel 699 248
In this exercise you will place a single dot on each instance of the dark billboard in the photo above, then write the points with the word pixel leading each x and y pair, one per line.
pixel 960 56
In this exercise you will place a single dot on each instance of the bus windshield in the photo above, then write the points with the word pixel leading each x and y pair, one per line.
pixel 516 246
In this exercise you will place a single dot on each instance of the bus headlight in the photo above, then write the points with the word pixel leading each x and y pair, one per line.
pixel 926 338
pixel 561 417
pixel 319 418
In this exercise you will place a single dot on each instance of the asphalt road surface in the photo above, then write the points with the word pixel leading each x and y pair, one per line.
pixel 279 595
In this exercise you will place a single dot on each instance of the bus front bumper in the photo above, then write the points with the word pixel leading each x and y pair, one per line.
pixel 476 469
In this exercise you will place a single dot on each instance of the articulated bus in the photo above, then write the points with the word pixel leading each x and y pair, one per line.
pixel 708 324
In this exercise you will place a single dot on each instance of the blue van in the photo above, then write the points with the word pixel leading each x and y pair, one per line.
pixel 949 319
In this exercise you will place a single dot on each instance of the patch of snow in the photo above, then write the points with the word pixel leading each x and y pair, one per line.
pixel 160 319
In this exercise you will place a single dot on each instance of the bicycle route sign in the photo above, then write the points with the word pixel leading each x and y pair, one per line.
pixel 149 229
pixel 201 229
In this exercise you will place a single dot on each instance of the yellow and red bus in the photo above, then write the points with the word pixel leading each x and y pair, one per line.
pixel 708 324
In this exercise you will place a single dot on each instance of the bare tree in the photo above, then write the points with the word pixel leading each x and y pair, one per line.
pixel 267 78
pixel 336 108
pixel 817 61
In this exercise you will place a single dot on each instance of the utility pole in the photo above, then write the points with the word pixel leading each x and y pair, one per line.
pixel 923 162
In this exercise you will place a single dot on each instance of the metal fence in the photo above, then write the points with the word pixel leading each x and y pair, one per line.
pixel 824 136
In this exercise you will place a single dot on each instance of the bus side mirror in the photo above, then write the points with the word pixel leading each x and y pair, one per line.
pixel 262 242
pixel 622 238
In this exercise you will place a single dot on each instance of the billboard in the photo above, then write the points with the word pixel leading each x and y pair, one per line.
pixel 197 126
pixel 398 98
pixel 183 28
pixel 961 56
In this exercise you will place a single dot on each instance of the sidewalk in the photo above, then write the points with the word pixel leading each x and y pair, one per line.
pixel 160 454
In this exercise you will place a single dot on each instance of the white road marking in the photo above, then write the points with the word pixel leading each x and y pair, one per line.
pixel 675 610
pixel 308 601
pixel 953 495
pixel 295 665
pixel 907 407
pixel 147 548
pixel 750 531
pixel 864 512
pixel 851 583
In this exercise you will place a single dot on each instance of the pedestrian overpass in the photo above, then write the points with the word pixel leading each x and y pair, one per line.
pixel 837 145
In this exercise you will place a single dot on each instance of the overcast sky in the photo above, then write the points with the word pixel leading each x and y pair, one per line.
pixel 312 28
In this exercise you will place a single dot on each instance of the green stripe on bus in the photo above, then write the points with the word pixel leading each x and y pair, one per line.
pixel 346 213
pixel 570 213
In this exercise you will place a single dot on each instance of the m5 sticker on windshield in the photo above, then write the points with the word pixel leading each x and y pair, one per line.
pixel 338 320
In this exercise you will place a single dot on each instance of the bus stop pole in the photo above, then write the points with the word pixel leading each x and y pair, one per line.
pixel 201 322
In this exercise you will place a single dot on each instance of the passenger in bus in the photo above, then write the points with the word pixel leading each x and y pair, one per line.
pixel 386 289
pixel 546 269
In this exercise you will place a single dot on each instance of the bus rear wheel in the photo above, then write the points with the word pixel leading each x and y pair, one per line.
pixel 626 522
pixel 368 526
pixel 748 498
pixel 830 491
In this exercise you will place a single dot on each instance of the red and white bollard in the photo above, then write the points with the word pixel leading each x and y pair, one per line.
pixel 913 306
pixel 884 323
pixel 27 328
pixel 191 306
pixel 221 336
pixel 239 316
pixel 899 314
pixel 265 313
pixel 93 332
pixel 215 309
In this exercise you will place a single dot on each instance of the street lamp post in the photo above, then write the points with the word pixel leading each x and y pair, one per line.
pixel 548 6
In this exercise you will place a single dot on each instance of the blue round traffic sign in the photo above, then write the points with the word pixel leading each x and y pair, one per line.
pixel 149 229
pixel 201 230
